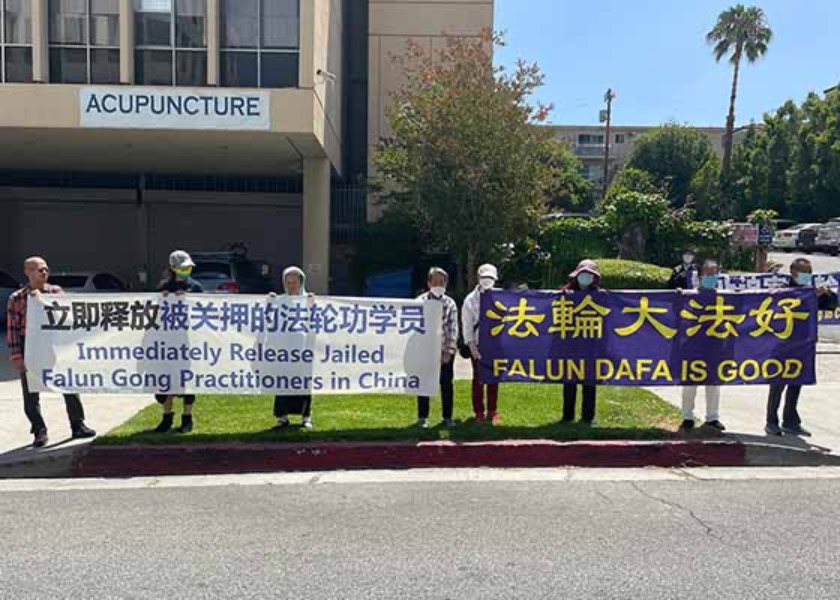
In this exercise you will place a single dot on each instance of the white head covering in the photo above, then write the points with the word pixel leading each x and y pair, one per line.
pixel 295 271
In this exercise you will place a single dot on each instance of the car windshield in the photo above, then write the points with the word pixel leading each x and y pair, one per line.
pixel 69 281
pixel 211 270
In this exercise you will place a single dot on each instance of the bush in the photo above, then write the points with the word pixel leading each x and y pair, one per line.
pixel 619 274
pixel 568 241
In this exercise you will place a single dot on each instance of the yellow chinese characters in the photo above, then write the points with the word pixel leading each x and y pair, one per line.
pixel 721 322
pixel 765 316
pixel 584 320
pixel 646 313
pixel 518 319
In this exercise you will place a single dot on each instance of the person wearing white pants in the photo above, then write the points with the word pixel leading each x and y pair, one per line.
pixel 689 395
pixel 709 275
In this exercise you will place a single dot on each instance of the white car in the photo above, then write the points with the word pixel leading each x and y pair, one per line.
pixel 87 282
pixel 787 239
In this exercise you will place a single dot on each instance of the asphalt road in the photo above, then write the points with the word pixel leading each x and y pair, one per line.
pixel 467 539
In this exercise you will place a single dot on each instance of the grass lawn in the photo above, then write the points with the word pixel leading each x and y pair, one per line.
pixel 527 411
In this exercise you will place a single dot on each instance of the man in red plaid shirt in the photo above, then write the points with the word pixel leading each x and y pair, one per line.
pixel 37 273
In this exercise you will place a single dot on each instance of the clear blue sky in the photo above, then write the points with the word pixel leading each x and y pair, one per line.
pixel 654 54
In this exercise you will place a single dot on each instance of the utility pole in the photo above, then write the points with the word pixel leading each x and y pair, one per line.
pixel 608 98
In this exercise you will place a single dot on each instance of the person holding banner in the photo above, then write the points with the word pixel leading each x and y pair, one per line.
pixel 178 280
pixel 682 275
pixel 801 275
pixel 709 275
pixel 488 275
pixel 37 274
pixel 437 281
pixel 586 277
pixel 294 284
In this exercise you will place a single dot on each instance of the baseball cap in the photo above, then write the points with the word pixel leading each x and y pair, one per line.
pixel 180 260
pixel 488 270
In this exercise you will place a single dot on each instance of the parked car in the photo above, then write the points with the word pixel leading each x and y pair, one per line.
pixel 231 273
pixel 828 238
pixel 8 285
pixel 806 241
pixel 88 282
pixel 787 239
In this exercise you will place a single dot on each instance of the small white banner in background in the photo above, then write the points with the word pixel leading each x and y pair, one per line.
pixel 148 343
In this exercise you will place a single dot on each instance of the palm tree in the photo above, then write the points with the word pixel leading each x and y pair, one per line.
pixel 740 31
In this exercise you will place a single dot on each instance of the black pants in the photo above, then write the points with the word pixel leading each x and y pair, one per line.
pixel 790 415
pixel 189 399
pixel 296 405
pixel 32 408
pixel 447 394
pixel 570 398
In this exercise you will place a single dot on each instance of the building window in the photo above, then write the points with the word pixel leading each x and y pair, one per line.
pixel 590 139
pixel 171 40
pixel 260 41
pixel 84 41
pixel 16 41
pixel 620 138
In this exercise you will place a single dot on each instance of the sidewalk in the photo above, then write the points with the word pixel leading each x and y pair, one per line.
pixel 742 408
pixel 17 457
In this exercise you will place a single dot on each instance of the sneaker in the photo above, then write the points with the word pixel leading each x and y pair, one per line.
pixel 307 423
pixel 796 430
pixel 687 425
pixel 186 424
pixel 715 425
pixel 771 429
pixel 282 423
pixel 41 439
pixel 423 423
pixel 82 431
pixel 494 418
pixel 447 423
pixel 165 423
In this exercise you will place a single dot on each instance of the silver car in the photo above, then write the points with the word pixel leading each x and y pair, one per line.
pixel 87 282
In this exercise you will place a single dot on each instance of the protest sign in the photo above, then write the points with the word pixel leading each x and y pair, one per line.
pixel 147 343
pixel 649 338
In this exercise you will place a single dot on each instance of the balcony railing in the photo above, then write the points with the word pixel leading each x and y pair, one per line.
pixel 590 150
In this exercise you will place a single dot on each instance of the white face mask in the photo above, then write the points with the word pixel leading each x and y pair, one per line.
pixel 486 283
pixel 437 291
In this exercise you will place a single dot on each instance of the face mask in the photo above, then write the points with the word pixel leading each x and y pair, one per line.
pixel 183 273
pixel 585 279
pixel 437 291
pixel 708 282
pixel 804 279
pixel 688 259
pixel 486 283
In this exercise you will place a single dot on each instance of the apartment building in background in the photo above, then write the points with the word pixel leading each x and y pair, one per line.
pixel 589 144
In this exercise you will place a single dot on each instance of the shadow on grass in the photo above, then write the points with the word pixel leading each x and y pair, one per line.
pixel 411 434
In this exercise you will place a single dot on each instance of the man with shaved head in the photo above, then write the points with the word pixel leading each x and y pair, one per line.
pixel 37 273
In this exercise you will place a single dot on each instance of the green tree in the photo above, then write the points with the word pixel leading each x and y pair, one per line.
pixel 706 192
pixel 739 32
pixel 750 173
pixel 630 179
pixel 672 155
pixel 466 160
pixel 569 189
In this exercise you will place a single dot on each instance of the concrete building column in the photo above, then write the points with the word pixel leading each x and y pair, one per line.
pixel 40 41
pixel 316 224
pixel 126 42
pixel 213 38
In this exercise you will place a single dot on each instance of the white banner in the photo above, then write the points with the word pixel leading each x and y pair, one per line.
pixel 227 344
pixel 173 108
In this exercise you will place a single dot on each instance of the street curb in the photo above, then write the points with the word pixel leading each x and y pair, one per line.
pixel 33 464
pixel 207 459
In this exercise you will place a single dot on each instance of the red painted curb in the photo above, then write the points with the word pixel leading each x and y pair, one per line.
pixel 139 460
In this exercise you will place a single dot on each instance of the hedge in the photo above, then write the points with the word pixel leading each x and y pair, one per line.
pixel 619 274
